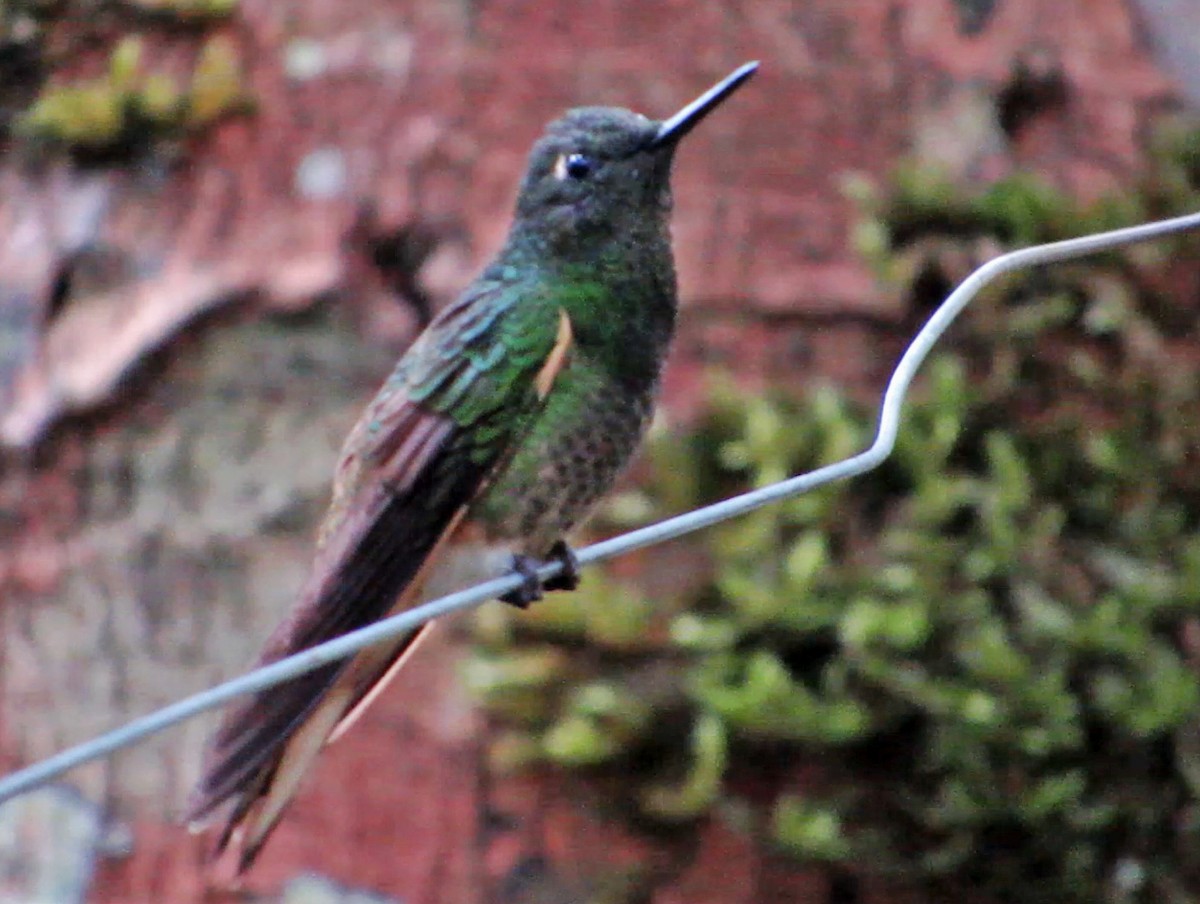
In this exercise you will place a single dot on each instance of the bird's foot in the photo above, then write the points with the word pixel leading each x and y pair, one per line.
pixel 532 589
pixel 568 577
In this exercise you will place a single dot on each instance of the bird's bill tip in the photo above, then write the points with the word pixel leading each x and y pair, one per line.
pixel 690 116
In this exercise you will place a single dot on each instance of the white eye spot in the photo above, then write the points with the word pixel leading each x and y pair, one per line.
pixel 572 166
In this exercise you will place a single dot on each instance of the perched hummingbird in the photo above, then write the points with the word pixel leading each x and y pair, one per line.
pixel 498 430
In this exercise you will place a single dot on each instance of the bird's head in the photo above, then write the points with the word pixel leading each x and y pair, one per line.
pixel 602 172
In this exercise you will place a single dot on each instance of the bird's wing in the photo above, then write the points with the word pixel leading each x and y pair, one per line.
pixel 448 417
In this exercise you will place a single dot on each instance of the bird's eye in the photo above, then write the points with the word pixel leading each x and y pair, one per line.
pixel 572 166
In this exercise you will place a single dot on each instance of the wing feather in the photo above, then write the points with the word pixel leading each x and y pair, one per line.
pixel 422 451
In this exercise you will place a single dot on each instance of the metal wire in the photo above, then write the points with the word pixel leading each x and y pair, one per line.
pixel 341 647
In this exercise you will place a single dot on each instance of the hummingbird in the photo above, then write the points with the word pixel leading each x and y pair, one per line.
pixel 499 429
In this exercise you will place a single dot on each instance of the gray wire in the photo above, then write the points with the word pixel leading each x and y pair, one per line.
pixel 885 439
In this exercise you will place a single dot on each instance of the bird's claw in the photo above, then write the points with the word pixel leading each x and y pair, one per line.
pixel 532 588
pixel 568 577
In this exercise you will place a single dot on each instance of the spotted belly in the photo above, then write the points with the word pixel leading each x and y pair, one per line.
pixel 570 458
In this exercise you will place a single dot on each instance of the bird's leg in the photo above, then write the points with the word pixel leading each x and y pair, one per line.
pixel 532 589
pixel 568 577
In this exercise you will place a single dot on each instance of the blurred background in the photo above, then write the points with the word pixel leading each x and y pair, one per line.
pixel 971 675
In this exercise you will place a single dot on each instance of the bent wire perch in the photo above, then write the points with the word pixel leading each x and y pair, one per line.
pixel 889 421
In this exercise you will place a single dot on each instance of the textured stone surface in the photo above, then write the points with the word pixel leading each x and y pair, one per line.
pixel 148 590
pixel 319 890
pixel 406 125
pixel 48 845
pixel 1174 27
pixel 146 549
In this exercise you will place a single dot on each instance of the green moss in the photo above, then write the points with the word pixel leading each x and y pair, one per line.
pixel 128 108
pixel 186 10
pixel 985 646
pixel 90 115
pixel 217 87
pixel 23 39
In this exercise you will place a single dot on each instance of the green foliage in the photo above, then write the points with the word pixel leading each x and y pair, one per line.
pixel 987 646
pixel 810 832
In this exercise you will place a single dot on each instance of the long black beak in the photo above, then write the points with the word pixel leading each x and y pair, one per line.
pixel 686 119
